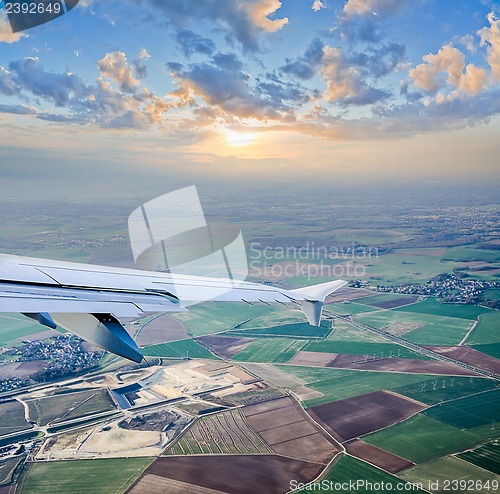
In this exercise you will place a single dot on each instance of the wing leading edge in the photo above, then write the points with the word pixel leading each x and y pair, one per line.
pixel 88 300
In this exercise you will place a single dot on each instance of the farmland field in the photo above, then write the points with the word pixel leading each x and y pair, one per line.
pixel 363 348
pixel 492 349
pixel 242 474
pixel 349 468
pixel 445 388
pixel 213 317
pixel 347 308
pixel 448 468
pixel 82 476
pixel 487 329
pixel 178 349
pixel 388 300
pixel 422 438
pixel 337 384
pixel 433 307
pixel 12 417
pixel 69 406
pixel 269 350
pixel 221 433
pixel 15 327
pixel 296 330
pixel 433 330
pixel 469 412
pixel 486 456
pixel 7 468
pixel 353 417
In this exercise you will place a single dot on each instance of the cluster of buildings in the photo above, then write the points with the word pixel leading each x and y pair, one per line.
pixel 448 288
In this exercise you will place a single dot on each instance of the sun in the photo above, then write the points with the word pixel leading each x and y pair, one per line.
pixel 240 139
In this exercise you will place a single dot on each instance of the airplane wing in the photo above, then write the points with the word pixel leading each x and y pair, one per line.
pixel 88 300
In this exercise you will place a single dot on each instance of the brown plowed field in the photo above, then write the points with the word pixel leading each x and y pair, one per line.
pixel 469 356
pixel 348 294
pixel 379 457
pixel 312 359
pixel 161 329
pixel 288 430
pixel 154 484
pixel 398 365
pixel 238 474
pixel 21 370
pixel 225 346
pixel 353 417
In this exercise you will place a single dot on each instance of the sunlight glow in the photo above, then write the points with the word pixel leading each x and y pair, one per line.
pixel 240 139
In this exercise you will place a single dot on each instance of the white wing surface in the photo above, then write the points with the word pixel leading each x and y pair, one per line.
pixel 88 300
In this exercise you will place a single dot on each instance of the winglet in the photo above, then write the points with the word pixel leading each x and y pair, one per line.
pixel 311 299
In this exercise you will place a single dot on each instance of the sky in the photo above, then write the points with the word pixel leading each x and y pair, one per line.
pixel 331 90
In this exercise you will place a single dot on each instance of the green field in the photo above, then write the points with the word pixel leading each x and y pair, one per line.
pixel 12 417
pixel 178 349
pixel 433 307
pixel 363 348
pixel 212 317
pixel 278 350
pixel 470 253
pixel 296 330
pixel 487 329
pixel 422 438
pixel 448 468
pixel 68 406
pixel 345 332
pixel 337 384
pixel 349 469
pixel 15 327
pixel 107 476
pixel 486 456
pixel 433 330
pixel 493 349
pixel 402 267
pixel 469 412
pixel 492 294
pixel 445 388
pixel 348 308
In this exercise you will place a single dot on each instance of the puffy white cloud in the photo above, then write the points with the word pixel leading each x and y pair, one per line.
pixel 318 5
pixel 115 66
pixel 473 81
pixel 490 36
pixel 448 65
pixel 260 11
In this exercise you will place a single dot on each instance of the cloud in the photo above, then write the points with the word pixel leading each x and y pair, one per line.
pixel 6 34
pixel 318 5
pixel 305 67
pixel 190 43
pixel 490 36
pixel 115 66
pixel 244 21
pixel 223 84
pixel 141 69
pixel 260 11
pixel 29 74
pixel 447 66
pixel 8 86
pixel 369 7
pixel 345 81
